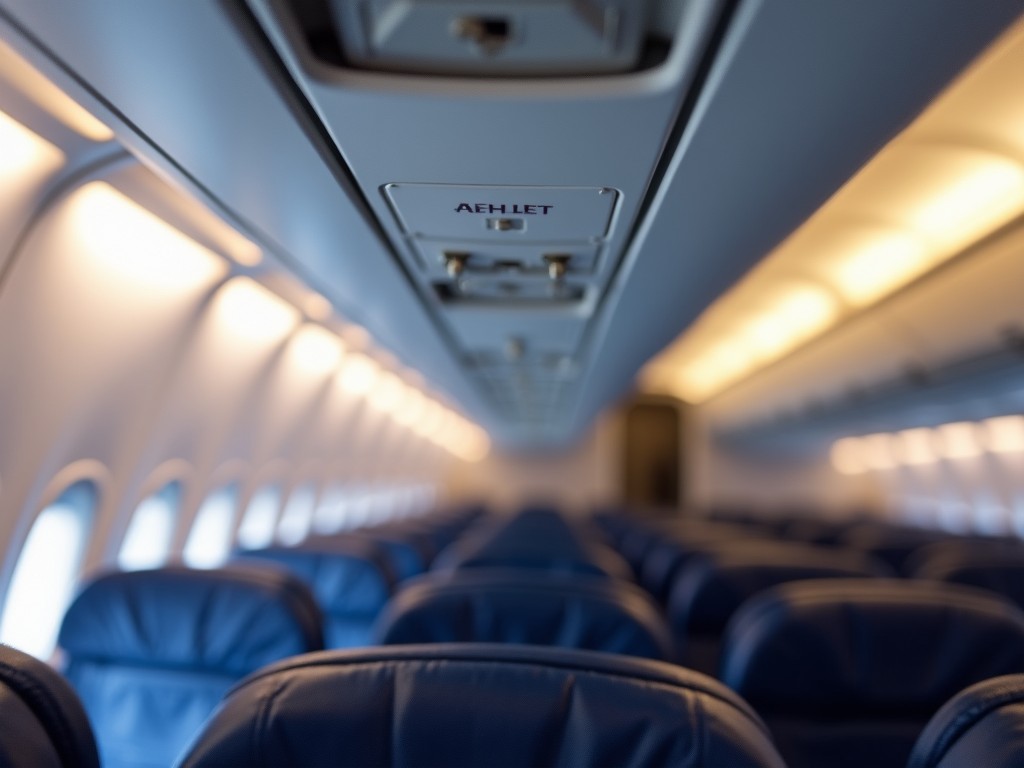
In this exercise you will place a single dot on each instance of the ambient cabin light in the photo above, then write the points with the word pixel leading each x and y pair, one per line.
pixel 412 408
pixel 316 349
pixel 878 451
pixel 136 245
pixel 317 307
pixel 959 440
pixel 29 81
pixel 847 457
pixel 954 176
pixel 985 192
pixel 254 312
pixel 388 394
pixel 431 420
pixel 916 446
pixel 358 374
pixel 1004 434
pixel 23 154
pixel 879 267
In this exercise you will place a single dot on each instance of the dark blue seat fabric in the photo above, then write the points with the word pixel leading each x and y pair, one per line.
pixel 44 724
pixel 404 559
pixel 481 705
pixel 535 539
pixel 151 653
pixel 718 580
pixel 894 545
pixel 1002 574
pixel 980 727
pixel 505 606
pixel 847 673
pixel 350 580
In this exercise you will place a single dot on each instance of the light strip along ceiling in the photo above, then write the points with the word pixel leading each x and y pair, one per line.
pixel 953 177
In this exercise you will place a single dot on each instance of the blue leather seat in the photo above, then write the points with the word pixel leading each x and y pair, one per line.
pixel 151 653
pixel 44 724
pixel 997 569
pixel 351 582
pixel 980 727
pixel 847 673
pixel 481 705
pixel 717 581
pixel 510 606
pixel 534 539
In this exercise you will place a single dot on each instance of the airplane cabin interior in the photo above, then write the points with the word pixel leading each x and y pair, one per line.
pixel 513 383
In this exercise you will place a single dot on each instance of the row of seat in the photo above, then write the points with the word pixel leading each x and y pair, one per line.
pixel 539 579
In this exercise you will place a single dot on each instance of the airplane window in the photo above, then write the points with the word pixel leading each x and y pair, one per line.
pixel 297 516
pixel 47 569
pixel 329 516
pixel 209 541
pixel 147 543
pixel 257 528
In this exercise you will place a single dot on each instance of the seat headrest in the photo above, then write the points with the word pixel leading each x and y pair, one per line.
pixel 538 541
pixel 713 585
pixel 44 722
pixel 849 647
pixel 347 578
pixel 512 606
pixel 1000 572
pixel 227 621
pixel 473 705
pixel 980 726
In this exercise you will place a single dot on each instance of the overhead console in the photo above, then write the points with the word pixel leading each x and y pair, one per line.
pixel 507 149
pixel 463 37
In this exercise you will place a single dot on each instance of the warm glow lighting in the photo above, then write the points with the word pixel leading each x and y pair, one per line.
pixel 358 374
pixel 846 457
pixel 316 349
pixel 23 153
pixel 916 446
pixel 388 394
pixel 879 268
pixel 430 421
pixel 951 178
pixel 51 98
pixel 1005 434
pixel 133 243
pixel 412 408
pixel 878 451
pixel 989 190
pixel 254 312
pixel 317 307
pixel 959 440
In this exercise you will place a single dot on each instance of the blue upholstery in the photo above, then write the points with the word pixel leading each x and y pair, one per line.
pixel 44 724
pixel 718 581
pixel 487 606
pixel 404 559
pixel 999 570
pixel 152 652
pixel 350 580
pixel 980 727
pixel 847 673
pixel 481 705
pixel 535 539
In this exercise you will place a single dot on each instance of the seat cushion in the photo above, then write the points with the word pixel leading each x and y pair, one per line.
pixel 475 705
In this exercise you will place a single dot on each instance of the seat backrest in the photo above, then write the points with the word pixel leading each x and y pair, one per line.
pixel 980 726
pixel 535 539
pixel 996 571
pixel 716 582
pixel 473 705
pixel 510 606
pixel 151 653
pixel 44 724
pixel 350 580
pixel 847 673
